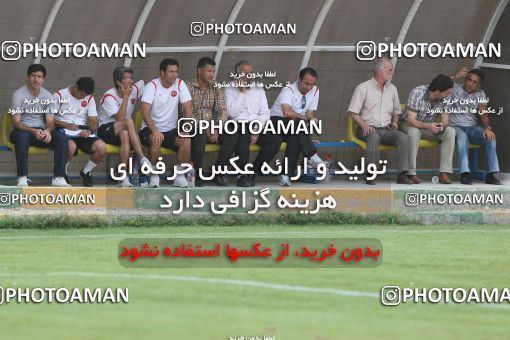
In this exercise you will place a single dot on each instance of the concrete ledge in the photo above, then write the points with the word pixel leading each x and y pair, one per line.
pixel 432 205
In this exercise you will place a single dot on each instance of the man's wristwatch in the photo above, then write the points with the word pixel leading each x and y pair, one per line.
pixel 488 127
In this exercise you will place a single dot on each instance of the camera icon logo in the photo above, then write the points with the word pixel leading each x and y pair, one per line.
pixel 411 199
pixel 197 29
pixel 11 50
pixel 5 199
pixel 365 50
pixel 187 127
pixel 390 296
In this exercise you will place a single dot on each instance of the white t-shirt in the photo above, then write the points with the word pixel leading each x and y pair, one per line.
pixel 290 95
pixel 165 102
pixel 73 110
pixel 250 105
pixel 111 103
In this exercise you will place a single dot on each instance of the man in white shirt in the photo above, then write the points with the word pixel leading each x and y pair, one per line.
pixel 245 102
pixel 298 101
pixel 160 110
pixel 116 125
pixel 375 107
pixel 32 121
pixel 75 103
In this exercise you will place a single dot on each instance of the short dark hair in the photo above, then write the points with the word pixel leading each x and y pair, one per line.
pixel 167 62
pixel 307 70
pixel 86 84
pixel 119 72
pixel 441 82
pixel 478 73
pixel 204 61
pixel 36 68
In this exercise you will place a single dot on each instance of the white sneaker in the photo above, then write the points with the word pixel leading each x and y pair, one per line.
pixel 145 161
pixel 314 161
pixel 59 182
pixel 285 181
pixel 22 181
pixel 154 181
pixel 180 181
pixel 125 183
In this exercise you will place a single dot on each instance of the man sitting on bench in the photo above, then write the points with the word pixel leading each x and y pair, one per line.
pixel 470 102
pixel 116 125
pixel 375 107
pixel 75 103
pixel 32 120
pixel 419 121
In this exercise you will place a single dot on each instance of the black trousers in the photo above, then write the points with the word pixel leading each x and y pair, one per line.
pixel 238 143
pixel 297 145
pixel 24 139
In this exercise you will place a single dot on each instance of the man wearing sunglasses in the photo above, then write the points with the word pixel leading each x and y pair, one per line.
pixel 297 101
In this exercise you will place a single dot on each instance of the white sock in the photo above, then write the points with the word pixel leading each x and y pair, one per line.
pixel 88 168
pixel 145 160
pixel 315 158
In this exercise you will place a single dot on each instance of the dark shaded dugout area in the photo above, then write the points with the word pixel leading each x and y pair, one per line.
pixel 327 32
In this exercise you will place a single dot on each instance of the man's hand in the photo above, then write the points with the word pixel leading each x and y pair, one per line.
pixel 72 127
pixel 47 135
pixel 393 126
pixel 125 91
pixel 435 128
pixel 461 73
pixel 156 138
pixel 85 133
pixel 488 134
pixel 254 139
pixel 39 135
pixel 367 129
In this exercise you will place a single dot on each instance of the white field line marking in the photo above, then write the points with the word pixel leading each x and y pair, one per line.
pixel 234 282
pixel 198 279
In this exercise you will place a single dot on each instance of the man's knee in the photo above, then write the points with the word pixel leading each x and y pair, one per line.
pixel 59 139
pixel 373 139
pixel 71 146
pixel 124 139
pixel 449 133
pixel 99 147
pixel 414 134
pixel 20 137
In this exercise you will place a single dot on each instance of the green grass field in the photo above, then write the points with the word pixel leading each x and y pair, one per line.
pixel 287 303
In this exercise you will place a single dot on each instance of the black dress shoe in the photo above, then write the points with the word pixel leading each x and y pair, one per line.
pixel 490 179
pixel 221 180
pixel 242 181
pixel 466 178
pixel 369 182
pixel 402 179
pixel 251 180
